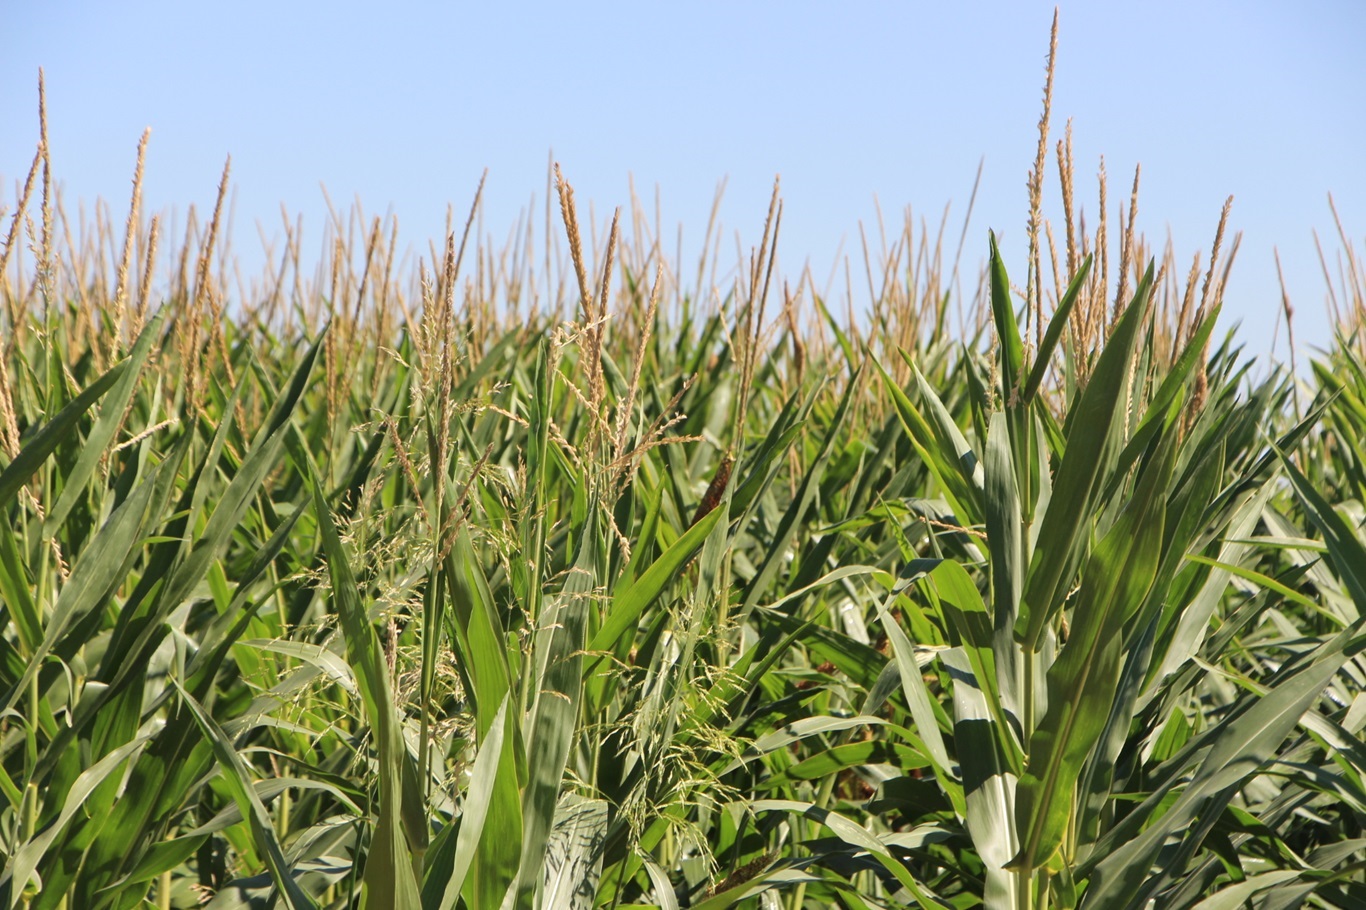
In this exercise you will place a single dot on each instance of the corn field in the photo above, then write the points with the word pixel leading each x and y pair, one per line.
pixel 552 577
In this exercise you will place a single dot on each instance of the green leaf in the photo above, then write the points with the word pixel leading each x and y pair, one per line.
pixel 856 835
pixel 573 855
pixel 106 425
pixel 1083 680
pixel 479 641
pixel 796 731
pixel 238 780
pixel 557 681
pixel 1210 769
pixel 1007 329
pixel 487 851
pixel 808 487
pixel 26 858
pixel 390 878
pixel 1007 544
pixel 1057 324
pixel 918 701
pixel 101 566
pixel 942 456
pixel 52 434
pixel 1345 550
pixel 1092 442
pixel 630 602
pixel 989 781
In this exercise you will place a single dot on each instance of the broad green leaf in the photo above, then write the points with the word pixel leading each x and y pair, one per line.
pixel 237 777
pixel 1007 542
pixel 663 889
pixel 26 858
pixel 1083 680
pixel 573 856
pixel 796 731
pixel 1057 324
pixel 989 782
pixel 1092 443
pixel 1193 623
pixel 775 554
pixel 488 846
pixel 101 566
pixel 557 681
pixel 1345 549
pixel 629 604
pixel 918 701
pixel 479 641
pixel 856 835
pixel 1236 896
pixel 1008 339
pixel 943 455
pixel 106 425
pixel 390 878
pixel 52 434
pixel 1210 767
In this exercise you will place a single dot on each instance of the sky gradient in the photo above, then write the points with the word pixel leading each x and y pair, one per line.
pixel 404 109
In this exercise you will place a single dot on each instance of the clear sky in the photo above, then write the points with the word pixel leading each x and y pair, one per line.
pixel 402 105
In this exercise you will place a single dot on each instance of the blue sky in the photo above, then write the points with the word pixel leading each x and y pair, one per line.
pixel 403 105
